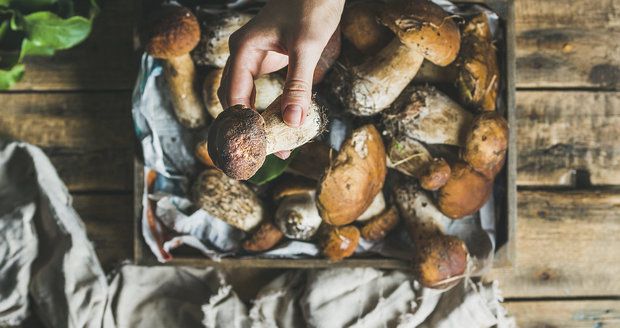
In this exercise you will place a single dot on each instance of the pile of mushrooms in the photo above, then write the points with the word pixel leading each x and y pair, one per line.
pixel 441 153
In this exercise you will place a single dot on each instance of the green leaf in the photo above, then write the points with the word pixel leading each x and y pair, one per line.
pixel 31 49
pixel 4 27
pixel 9 77
pixel 271 169
pixel 46 29
pixel 5 3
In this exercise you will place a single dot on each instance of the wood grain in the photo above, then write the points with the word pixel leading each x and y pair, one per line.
pixel 88 136
pixel 108 220
pixel 105 61
pixel 566 314
pixel 568 44
pixel 567 245
pixel 562 132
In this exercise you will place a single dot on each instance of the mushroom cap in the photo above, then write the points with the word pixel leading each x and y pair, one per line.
pixel 202 153
pixel 407 156
pixel 213 50
pixel 227 199
pixel 382 223
pixel 173 32
pixel 439 258
pixel 237 142
pixel 291 186
pixel 328 57
pixel 465 192
pixel 486 144
pixel 360 26
pixel 341 242
pixel 424 27
pixel 264 238
pixel 354 178
pixel 435 175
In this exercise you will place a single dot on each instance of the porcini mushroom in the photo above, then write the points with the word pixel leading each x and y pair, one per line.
pixel 264 238
pixel 375 208
pixel 311 160
pixel 423 30
pixel 340 242
pixel 464 193
pixel 439 260
pixel 428 115
pixel 297 216
pixel 172 34
pixel 202 153
pixel 407 156
pixel 268 87
pixel 240 138
pixel 479 78
pixel 227 199
pixel 486 144
pixel 212 50
pixel 328 57
pixel 353 178
pixel 435 175
pixel 360 26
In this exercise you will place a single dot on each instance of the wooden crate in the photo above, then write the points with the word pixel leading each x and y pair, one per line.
pixel 505 205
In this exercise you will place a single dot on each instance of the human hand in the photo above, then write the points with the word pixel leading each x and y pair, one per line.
pixel 285 32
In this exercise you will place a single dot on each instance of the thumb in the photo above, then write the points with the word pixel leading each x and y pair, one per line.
pixel 297 93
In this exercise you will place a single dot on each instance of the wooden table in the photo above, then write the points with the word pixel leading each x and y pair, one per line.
pixel 76 106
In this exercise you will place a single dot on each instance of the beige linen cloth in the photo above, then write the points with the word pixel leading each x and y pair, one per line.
pixel 50 277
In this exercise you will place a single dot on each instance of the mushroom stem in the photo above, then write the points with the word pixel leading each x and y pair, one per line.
pixel 240 138
pixel 180 74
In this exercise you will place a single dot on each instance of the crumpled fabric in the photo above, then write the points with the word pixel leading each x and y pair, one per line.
pixel 49 270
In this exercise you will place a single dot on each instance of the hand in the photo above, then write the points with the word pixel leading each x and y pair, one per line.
pixel 285 32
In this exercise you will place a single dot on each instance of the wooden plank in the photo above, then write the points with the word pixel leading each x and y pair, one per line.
pixel 568 43
pixel 105 61
pixel 565 314
pixel 88 136
pixel 108 220
pixel 561 132
pixel 567 245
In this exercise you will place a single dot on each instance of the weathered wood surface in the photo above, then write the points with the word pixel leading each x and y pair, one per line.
pixel 568 44
pixel 87 135
pixel 559 44
pixel 566 314
pixel 561 132
pixel 567 245
pixel 108 220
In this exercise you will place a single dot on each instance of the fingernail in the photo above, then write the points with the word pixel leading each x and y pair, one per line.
pixel 292 115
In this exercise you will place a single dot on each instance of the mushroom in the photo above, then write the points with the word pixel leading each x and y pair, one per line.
pixel 439 260
pixel 328 57
pixel 464 193
pixel 375 208
pixel 297 216
pixel 212 50
pixel 227 199
pixel 435 175
pixel 354 178
pixel 428 115
pixel 486 144
pixel 407 156
pixel 423 30
pixel 311 160
pixel 172 34
pixel 268 87
pixel 202 153
pixel 361 28
pixel 240 138
pixel 340 242
pixel 478 79
pixel 264 238
pixel 379 225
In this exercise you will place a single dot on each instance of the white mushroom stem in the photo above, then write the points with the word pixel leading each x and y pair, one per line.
pixel 376 207
pixel 297 216
pixel 180 74
pixel 281 136
pixel 418 209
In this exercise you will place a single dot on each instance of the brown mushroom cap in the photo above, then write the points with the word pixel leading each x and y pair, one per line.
pixel 382 223
pixel 486 144
pixel 465 192
pixel 173 32
pixel 360 26
pixel 264 238
pixel 435 175
pixel 440 258
pixel 341 242
pixel 237 142
pixel 354 178
pixel 425 27
pixel 202 153
pixel 328 57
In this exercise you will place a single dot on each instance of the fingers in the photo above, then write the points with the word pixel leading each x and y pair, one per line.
pixel 298 87
pixel 237 84
pixel 283 154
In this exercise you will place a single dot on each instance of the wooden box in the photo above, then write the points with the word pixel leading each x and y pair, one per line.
pixel 505 203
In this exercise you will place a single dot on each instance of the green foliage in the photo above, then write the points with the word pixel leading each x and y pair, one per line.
pixel 271 169
pixel 39 28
